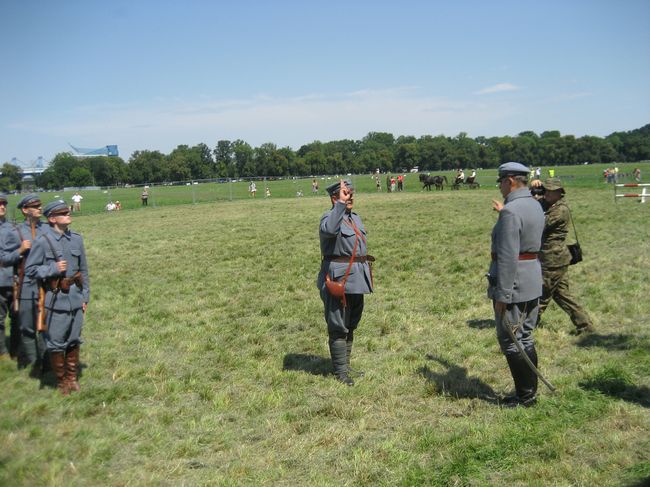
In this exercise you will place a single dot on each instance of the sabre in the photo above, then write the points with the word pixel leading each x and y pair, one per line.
pixel 520 348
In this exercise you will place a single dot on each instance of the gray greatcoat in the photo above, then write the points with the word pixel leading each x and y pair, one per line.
pixel 516 282
pixel 64 310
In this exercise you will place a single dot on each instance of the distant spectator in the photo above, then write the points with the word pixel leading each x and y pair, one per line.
pixel 145 196
pixel 118 205
pixel 110 206
pixel 268 192
pixel 637 174
pixel 400 182
pixel 76 201
pixel 377 183
pixel 314 186
pixel 392 184
pixel 388 183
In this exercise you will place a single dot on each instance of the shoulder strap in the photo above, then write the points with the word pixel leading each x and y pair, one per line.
pixel 49 242
pixel 20 234
pixel 572 223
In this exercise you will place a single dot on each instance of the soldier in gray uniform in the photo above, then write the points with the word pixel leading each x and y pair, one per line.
pixel 345 261
pixel 16 245
pixel 58 259
pixel 515 275
pixel 7 293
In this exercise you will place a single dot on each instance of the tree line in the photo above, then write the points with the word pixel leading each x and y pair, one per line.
pixel 237 159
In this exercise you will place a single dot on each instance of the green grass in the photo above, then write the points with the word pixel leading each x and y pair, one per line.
pixel 206 355
pixel 95 201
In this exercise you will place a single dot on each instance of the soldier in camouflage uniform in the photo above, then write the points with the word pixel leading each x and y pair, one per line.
pixel 555 257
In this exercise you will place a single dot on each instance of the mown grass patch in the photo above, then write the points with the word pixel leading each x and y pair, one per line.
pixel 206 356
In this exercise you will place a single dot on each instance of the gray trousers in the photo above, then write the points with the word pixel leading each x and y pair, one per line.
pixel 63 329
pixel 524 314
pixel 340 321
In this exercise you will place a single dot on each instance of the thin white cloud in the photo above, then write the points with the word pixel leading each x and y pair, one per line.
pixel 498 88
pixel 162 124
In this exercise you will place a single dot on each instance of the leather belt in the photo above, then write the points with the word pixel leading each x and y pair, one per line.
pixel 522 256
pixel 358 258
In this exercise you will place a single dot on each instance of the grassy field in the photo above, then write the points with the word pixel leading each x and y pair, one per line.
pixel 589 176
pixel 206 358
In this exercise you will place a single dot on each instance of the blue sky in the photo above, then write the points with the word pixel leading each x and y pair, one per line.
pixel 156 74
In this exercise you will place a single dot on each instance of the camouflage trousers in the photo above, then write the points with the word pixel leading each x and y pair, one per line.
pixel 556 287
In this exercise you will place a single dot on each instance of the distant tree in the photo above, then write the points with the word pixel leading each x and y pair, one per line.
pixel 147 167
pixel 80 176
pixel 11 177
pixel 224 160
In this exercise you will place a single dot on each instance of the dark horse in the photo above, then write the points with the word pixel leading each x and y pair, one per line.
pixel 437 181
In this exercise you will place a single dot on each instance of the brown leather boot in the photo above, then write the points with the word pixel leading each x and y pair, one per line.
pixel 58 366
pixel 72 368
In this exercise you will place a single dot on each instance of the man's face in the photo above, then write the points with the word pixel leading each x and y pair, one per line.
pixel 553 196
pixel 505 185
pixel 61 219
pixel 33 211
pixel 3 209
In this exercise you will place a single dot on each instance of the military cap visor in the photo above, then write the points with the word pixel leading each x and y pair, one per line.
pixel 56 207
pixel 29 201
pixel 553 184
pixel 334 189
pixel 3 198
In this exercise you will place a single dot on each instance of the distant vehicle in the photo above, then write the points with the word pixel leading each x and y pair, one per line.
pixel 415 169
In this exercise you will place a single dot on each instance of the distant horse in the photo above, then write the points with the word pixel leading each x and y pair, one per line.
pixel 437 181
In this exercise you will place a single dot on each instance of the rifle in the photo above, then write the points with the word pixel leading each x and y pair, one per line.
pixel 18 280
pixel 40 316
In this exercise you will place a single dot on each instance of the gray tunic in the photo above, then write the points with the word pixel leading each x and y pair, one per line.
pixel 64 310
pixel 513 281
pixel 518 230
pixel 337 239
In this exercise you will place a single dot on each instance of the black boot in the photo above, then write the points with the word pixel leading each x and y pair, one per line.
pixel 339 352
pixel 351 371
pixel 525 381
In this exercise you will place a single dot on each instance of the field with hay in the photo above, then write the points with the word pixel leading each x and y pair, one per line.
pixel 206 360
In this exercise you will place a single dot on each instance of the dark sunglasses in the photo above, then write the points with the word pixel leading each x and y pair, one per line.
pixel 3 203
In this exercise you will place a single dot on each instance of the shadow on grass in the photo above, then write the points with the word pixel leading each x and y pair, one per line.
pixel 481 324
pixel 619 388
pixel 610 342
pixel 455 382
pixel 312 364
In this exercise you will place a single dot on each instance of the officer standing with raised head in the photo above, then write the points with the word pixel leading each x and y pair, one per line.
pixel 7 308
pixel 345 261
pixel 16 245
pixel 515 276
pixel 58 259
pixel 555 257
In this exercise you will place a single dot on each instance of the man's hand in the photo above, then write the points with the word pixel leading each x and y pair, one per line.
pixel 344 193
pixel 25 245
pixel 497 205
pixel 61 265
pixel 536 183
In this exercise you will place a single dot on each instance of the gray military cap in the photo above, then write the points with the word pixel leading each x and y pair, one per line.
pixel 29 200
pixel 513 169
pixel 55 207
pixel 333 189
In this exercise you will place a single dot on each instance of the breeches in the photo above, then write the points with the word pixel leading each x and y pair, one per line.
pixel 522 314
pixel 27 311
pixel 63 329
pixel 341 320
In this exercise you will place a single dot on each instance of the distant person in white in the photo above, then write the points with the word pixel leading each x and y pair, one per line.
pixel 76 201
